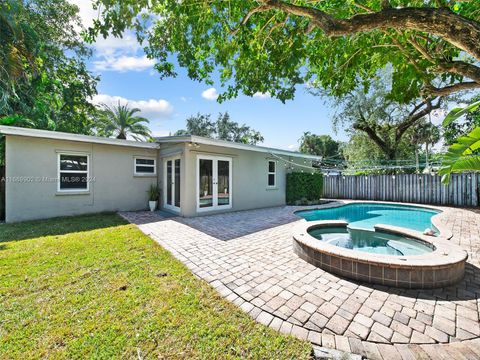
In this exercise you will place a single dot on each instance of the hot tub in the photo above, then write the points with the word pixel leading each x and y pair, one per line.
pixel 389 255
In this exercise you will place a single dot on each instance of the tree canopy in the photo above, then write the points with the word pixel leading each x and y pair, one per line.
pixel 44 82
pixel 384 120
pixel 321 145
pixel 432 47
pixel 223 129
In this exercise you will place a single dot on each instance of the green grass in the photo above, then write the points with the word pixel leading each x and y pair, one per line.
pixel 96 287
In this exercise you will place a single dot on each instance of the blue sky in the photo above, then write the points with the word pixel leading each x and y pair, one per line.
pixel 127 75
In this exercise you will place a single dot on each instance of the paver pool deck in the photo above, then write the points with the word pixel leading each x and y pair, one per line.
pixel 247 256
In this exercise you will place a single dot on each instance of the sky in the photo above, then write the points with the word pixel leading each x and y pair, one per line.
pixel 127 75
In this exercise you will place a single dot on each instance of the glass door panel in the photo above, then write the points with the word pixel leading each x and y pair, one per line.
pixel 172 181
pixel 169 182
pixel 177 183
pixel 205 183
pixel 223 182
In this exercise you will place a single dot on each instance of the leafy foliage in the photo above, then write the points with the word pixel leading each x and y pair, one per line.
pixel 273 45
pixel 223 129
pixel 44 82
pixel 321 145
pixel 456 129
pixel 120 120
pixel 364 157
pixel 302 185
pixel 462 156
pixel 383 120
pixel 458 112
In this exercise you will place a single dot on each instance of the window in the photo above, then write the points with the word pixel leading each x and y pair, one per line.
pixel 73 172
pixel 272 173
pixel 144 166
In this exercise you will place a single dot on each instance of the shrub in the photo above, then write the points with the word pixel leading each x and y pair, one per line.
pixel 304 186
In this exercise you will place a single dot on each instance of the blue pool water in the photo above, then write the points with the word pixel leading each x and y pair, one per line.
pixel 371 241
pixel 365 216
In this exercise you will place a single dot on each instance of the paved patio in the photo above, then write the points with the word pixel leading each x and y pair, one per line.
pixel 247 256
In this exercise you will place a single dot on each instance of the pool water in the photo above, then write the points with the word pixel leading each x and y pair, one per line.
pixel 365 216
pixel 371 241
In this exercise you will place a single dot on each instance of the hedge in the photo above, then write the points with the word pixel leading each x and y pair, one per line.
pixel 304 186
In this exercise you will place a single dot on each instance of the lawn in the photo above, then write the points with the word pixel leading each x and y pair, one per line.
pixel 97 287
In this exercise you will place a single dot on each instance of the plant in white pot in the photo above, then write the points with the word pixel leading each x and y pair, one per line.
pixel 153 195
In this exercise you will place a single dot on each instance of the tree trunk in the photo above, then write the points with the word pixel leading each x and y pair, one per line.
pixel 426 156
pixel 417 164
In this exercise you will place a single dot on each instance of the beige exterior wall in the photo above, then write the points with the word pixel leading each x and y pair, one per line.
pixel 249 178
pixel 115 186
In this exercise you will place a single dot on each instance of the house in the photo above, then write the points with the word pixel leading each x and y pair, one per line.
pixel 51 174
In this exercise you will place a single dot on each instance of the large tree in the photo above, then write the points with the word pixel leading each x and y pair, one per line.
pixel 363 156
pixel 44 81
pixel 321 145
pixel 432 46
pixel 384 120
pixel 223 129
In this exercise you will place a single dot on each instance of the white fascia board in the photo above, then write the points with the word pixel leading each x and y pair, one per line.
pixel 233 145
pixel 55 135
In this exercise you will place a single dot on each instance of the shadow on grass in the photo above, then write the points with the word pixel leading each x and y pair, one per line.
pixel 57 226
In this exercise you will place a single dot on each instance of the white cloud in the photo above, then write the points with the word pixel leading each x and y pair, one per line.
pixel 123 63
pixel 113 54
pixel 292 147
pixel 152 109
pixel 210 94
pixel 261 95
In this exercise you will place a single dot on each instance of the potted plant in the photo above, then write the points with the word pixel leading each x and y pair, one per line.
pixel 153 195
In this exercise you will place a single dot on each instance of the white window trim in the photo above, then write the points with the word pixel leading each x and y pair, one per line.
pixel 154 166
pixel 86 172
pixel 274 173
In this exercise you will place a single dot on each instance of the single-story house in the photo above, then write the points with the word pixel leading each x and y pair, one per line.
pixel 51 174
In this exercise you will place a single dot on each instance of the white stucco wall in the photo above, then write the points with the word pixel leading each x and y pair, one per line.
pixel 249 179
pixel 115 187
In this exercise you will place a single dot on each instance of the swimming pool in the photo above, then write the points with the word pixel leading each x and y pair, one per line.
pixel 366 215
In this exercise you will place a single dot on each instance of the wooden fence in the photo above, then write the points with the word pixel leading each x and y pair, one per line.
pixel 2 193
pixel 463 189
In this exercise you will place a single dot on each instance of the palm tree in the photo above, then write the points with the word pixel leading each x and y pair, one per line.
pixel 120 120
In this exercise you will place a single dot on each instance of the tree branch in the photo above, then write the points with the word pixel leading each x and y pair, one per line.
pixel 459 31
pixel 462 68
pixel 415 115
pixel 447 90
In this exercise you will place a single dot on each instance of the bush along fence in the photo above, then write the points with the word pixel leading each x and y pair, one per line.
pixel 304 188
pixel 463 189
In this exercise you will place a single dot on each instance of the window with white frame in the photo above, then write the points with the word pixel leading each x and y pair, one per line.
pixel 73 172
pixel 144 166
pixel 272 173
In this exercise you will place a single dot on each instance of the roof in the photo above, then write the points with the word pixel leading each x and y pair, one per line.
pixel 232 145
pixel 56 135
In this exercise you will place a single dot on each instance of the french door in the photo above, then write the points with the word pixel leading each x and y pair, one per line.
pixel 171 194
pixel 214 183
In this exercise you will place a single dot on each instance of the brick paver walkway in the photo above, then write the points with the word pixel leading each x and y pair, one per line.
pixel 247 256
